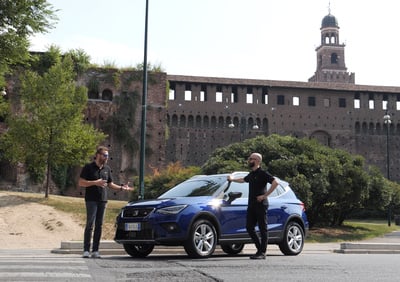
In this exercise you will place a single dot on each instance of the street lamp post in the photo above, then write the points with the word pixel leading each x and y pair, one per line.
pixel 144 105
pixel 387 121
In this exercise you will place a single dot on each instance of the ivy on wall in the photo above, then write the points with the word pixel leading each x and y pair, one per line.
pixel 123 120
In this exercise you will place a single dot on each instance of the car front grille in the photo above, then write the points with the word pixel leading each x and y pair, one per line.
pixel 146 233
pixel 134 212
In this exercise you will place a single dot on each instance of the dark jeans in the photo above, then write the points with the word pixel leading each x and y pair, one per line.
pixel 94 215
pixel 257 215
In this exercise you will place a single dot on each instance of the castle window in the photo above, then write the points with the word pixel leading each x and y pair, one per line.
pixel 182 121
pixel 188 93
pixel 265 99
pixel 203 93
pixel 264 95
pixel 385 105
pixel 371 128
pixel 311 101
pixel 334 58
pixel 218 97
pixel 107 95
pixel 296 101
pixel 174 121
pixel 206 121
pixel 371 104
pixel 234 92
pixel 364 128
pixel 281 100
pixel 198 121
pixel 93 94
pixel 249 98
pixel 213 122
pixel 342 103
pixel 190 121
pixel 221 122
pixel 171 93
pixel 357 103
pixel 357 127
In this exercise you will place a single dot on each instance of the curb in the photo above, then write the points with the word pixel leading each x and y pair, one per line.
pixel 109 247
pixel 369 248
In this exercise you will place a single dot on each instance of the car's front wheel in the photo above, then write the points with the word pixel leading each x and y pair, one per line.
pixel 202 239
pixel 138 251
pixel 232 249
pixel 293 240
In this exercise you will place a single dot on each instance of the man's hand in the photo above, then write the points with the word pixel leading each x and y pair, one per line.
pixel 261 198
pixel 101 182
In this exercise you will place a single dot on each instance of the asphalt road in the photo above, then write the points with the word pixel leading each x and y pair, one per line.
pixel 41 265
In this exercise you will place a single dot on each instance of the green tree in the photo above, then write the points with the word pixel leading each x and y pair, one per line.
pixel 49 130
pixel 165 179
pixel 19 20
pixel 332 183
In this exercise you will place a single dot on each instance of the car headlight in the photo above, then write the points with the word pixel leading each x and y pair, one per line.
pixel 171 210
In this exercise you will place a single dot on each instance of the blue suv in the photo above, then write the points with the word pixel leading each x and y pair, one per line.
pixel 205 211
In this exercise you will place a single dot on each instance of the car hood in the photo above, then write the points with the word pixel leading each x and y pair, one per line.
pixel 160 203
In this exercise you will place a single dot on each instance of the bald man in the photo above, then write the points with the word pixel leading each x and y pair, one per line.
pixel 257 202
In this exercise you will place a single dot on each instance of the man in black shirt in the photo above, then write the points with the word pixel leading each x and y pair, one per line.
pixel 96 177
pixel 257 202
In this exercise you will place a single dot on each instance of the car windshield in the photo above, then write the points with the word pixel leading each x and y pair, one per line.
pixel 202 186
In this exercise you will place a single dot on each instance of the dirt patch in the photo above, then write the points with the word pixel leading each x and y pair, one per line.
pixel 34 226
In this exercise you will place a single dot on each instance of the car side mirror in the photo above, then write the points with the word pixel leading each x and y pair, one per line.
pixel 233 196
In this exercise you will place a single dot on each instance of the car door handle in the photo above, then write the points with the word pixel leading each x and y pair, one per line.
pixel 283 207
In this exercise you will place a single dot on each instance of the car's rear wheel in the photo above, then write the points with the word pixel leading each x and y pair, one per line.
pixel 293 240
pixel 232 249
pixel 138 251
pixel 202 239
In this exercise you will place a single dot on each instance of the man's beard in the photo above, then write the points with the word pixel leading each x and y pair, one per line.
pixel 251 165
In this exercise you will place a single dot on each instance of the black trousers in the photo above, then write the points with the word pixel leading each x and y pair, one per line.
pixel 257 215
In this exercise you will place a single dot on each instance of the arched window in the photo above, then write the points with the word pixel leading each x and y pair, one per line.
pixel 198 121
pixel 190 121
pixel 107 95
pixel 213 122
pixel 220 122
pixel 357 127
pixel 364 128
pixel 174 121
pixel 93 94
pixel 371 128
pixel 206 121
pixel 182 121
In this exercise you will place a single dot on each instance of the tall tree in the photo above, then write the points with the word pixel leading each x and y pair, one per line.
pixel 49 130
pixel 19 20
pixel 332 183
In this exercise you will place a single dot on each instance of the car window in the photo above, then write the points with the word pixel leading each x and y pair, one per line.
pixel 279 190
pixel 239 187
pixel 195 187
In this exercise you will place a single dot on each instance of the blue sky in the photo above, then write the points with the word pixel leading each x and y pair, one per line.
pixel 258 39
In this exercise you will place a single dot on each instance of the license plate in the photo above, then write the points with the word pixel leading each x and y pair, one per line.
pixel 132 226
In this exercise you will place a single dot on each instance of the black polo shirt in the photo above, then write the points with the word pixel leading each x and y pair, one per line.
pixel 92 172
pixel 257 180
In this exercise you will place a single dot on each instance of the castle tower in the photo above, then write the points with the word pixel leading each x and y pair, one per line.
pixel 331 65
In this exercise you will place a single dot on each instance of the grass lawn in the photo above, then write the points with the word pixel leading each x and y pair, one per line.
pixel 352 230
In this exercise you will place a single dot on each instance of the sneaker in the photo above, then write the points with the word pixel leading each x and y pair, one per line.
pixel 96 255
pixel 86 254
pixel 258 256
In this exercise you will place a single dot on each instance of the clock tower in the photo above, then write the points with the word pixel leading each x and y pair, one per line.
pixel 331 65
